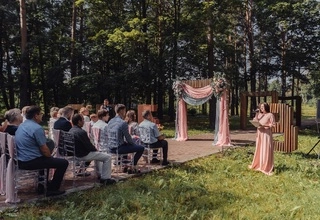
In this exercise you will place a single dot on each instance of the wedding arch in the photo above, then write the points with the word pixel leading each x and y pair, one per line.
pixel 192 92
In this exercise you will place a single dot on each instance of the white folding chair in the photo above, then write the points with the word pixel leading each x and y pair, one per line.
pixel 3 162
pixel 99 139
pixel 120 160
pixel 151 153
pixel 18 178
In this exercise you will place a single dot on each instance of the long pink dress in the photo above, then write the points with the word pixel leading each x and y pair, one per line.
pixel 263 159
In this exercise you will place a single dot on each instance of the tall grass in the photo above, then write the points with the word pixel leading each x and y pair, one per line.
pixel 216 187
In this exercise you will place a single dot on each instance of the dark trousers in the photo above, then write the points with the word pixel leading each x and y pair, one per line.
pixel 130 148
pixel 59 164
pixel 164 145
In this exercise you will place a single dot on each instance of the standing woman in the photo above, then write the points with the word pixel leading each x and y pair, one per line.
pixel 263 159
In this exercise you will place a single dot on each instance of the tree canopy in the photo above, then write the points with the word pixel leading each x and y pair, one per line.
pixel 131 51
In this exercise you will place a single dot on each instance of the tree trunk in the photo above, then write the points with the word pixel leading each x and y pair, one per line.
pixel 252 61
pixel 212 102
pixel 25 74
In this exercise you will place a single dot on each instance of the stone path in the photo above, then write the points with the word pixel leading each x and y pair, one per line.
pixel 179 152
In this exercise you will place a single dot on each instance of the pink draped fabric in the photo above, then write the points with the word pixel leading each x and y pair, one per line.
pixel 224 133
pixel 96 137
pixel 263 159
pixel 2 163
pixel 87 127
pixel 195 93
pixel 11 196
pixel 182 134
pixel 198 93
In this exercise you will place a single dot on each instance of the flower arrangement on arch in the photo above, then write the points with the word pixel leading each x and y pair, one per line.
pixel 219 84
pixel 177 88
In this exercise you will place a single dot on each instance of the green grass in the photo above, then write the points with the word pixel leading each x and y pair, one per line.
pixel 215 187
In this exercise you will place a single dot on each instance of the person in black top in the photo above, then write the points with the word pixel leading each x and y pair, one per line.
pixel 14 118
pixel 63 123
pixel 109 108
pixel 85 151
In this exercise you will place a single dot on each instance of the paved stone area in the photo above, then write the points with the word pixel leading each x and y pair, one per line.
pixel 179 152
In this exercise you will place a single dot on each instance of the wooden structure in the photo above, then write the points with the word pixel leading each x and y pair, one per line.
pixel 198 83
pixel 285 125
pixel 144 107
pixel 274 99
pixel 298 102
pixel 244 103
pixel 76 107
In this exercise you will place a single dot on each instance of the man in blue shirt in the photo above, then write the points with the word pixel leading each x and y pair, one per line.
pixel 33 152
pixel 156 139
pixel 125 144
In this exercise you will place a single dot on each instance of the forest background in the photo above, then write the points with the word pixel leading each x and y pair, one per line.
pixel 55 52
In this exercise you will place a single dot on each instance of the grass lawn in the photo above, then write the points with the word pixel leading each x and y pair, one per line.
pixel 215 187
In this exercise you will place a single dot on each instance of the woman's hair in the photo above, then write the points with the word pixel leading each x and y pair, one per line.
pixel 12 115
pixel 102 113
pixel 83 109
pixel 130 115
pixel 266 106
pixel 54 112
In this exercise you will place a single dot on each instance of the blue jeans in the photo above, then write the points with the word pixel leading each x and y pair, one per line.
pixel 130 148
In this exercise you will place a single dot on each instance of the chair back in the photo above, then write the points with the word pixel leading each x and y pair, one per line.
pixel 145 135
pixel 56 139
pixel 11 196
pixel 66 144
pixel 96 137
pixel 3 162
pixel 113 141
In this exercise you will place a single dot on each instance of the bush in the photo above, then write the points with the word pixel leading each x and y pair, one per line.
pixel 192 111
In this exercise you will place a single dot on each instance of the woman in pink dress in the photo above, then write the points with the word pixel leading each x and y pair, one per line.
pixel 263 157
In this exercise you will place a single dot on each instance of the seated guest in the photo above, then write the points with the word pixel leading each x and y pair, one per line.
pixel 63 123
pixel 85 151
pixel 33 152
pixel 156 139
pixel 118 125
pixel 23 112
pixel 84 112
pixel 93 119
pixel 53 118
pixel 89 107
pixel 103 117
pixel 3 125
pixel 53 114
pixel 14 118
pixel 133 126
